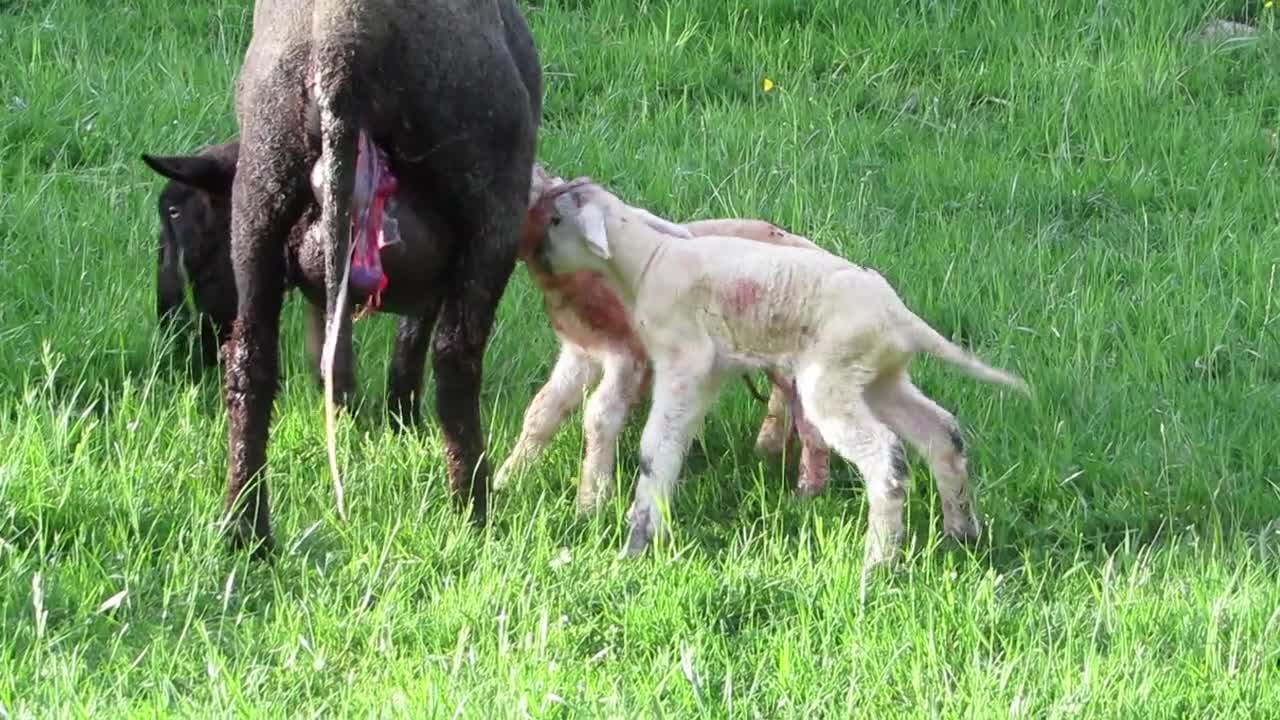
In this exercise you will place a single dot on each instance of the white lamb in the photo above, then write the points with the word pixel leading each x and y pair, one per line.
pixel 713 309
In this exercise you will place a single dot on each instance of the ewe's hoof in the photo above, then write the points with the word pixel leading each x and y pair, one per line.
pixel 240 538
pixel 405 423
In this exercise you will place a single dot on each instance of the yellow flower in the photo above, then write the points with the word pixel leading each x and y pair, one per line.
pixel 768 84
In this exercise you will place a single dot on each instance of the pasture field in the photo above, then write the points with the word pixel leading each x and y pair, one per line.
pixel 1074 189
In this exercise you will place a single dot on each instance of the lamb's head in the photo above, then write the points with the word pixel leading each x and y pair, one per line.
pixel 573 217
pixel 568 223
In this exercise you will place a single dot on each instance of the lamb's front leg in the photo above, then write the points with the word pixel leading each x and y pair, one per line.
pixel 605 415
pixel 681 396
pixel 573 372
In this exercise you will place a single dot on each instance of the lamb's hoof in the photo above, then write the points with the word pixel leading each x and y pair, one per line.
pixel 641 536
pixel 965 531
pixel 502 478
pixel 403 410
pixel 875 575
pixel 810 487
pixel 344 391
pixel 768 451
pixel 399 427
pixel 879 564
pixel 768 446
pixel 882 552
pixel 595 490
pixel 591 504
pixel 638 543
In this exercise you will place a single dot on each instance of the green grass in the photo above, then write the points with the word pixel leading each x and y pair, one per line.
pixel 1071 187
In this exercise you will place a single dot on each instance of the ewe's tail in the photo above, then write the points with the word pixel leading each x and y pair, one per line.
pixel 925 338
pixel 339 135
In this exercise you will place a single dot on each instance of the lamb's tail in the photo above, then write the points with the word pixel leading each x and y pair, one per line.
pixel 339 136
pixel 924 338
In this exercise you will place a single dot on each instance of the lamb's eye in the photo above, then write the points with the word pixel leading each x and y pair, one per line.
pixel 555 221
pixel 174 212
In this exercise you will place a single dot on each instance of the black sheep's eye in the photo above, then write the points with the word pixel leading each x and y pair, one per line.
pixel 174 212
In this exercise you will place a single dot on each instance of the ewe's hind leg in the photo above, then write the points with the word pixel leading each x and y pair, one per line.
pixel 266 200
pixel 408 363
pixel 571 375
pixel 835 404
pixel 462 335
pixel 602 422
pixel 681 397
pixel 485 206
pixel 935 434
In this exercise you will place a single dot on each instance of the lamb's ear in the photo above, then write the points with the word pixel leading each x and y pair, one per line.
pixel 539 183
pixel 662 225
pixel 200 171
pixel 591 221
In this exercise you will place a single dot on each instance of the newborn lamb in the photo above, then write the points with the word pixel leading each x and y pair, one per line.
pixel 709 310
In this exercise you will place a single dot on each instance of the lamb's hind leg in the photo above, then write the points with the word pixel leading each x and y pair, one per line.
pixel 836 405
pixel 605 416
pixel 935 434
pixel 572 373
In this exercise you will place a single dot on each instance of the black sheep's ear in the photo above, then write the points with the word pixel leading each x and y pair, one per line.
pixel 199 171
